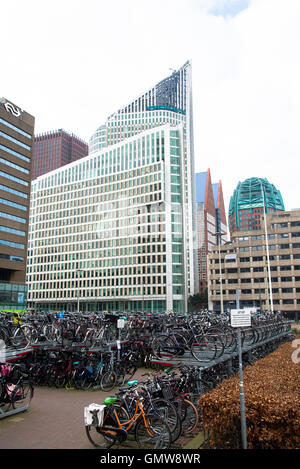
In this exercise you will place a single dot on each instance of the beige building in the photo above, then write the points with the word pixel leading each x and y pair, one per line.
pixel 258 270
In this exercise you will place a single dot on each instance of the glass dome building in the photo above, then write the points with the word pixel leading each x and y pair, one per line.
pixel 248 201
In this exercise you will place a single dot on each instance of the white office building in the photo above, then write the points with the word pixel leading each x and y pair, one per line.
pixel 116 230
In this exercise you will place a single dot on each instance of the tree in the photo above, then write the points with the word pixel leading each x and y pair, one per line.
pixel 198 301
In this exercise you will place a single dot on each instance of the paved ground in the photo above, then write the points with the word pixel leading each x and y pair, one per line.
pixel 54 420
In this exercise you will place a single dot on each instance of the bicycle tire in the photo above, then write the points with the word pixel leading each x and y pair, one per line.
pixel 156 436
pixel 99 439
pixel 168 412
pixel 203 349
pixel 108 380
pixel 22 395
pixel 103 440
pixel 191 419
pixel 163 345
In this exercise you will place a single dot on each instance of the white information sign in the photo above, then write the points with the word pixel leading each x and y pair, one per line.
pixel 240 318
pixel 121 323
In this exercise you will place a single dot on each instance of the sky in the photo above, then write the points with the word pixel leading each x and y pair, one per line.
pixel 71 63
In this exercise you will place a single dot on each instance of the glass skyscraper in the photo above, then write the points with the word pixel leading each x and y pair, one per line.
pixel 116 229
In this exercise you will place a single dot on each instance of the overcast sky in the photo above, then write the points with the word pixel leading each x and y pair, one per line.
pixel 71 63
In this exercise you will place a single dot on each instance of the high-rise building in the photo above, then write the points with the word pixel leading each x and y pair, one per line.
pixel 115 230
pixel 16 142
pixel 249 201
pixel 211 221
pixel 55 149
pixel 259 268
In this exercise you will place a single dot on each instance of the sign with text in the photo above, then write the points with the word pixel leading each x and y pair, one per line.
pixel 240 318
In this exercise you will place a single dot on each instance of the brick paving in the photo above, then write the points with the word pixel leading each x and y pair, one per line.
pixel 54 420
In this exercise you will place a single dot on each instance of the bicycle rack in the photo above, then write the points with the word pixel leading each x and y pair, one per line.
pixel 12 412
pixel 188 359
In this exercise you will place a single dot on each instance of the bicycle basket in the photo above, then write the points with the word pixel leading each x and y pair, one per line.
pixel 167 392
pixel 94 414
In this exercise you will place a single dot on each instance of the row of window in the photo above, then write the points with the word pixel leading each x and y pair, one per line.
pixel 12 230
pixel 12 217
pixel 15 128
pixel 13 152
pixel 14 178
pixel 10 190
pixel 10 203
pixel 69 292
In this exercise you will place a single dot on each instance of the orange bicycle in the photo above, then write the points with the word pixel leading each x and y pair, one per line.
pixel 110 424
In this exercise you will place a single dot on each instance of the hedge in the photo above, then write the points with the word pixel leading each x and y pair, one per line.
pixel 272 403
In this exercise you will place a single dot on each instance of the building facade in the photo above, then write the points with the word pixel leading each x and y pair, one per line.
pixel 260 269
pixel 16 148
pixel 249 201
pixel 211 221
pixel 114 229
pixel 55 149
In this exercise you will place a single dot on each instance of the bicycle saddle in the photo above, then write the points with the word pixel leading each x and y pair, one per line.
pixel 110 400
pixel 132 383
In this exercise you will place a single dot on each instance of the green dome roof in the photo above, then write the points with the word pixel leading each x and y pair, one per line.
pixel 252 193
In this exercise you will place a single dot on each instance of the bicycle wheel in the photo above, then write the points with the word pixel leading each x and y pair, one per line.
pixel 163 345
pixel 102 437
pixel 203 349
pixel 191 418
pixel 108 381
pixel 21 395
pixel 168 412
pixel 31 334
pixel 18 338
pixel 153 433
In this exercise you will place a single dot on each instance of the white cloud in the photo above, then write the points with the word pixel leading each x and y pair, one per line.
pixel 72 63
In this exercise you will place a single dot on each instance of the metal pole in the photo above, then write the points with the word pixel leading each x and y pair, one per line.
pixel 242 396
pixel 268 256
pixel 220 271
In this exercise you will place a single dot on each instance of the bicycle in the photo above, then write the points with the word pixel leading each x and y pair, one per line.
pixel 111 424
pixel 16 390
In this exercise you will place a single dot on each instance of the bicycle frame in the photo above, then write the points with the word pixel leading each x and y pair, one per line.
pixel 139 411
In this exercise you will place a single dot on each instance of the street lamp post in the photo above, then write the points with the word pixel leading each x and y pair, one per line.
pixel 218 235
pixel 78 290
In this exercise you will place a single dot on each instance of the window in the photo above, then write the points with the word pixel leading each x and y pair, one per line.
pixel 11 126
pixel 13 191
pixel 11 244
pixel 15 153
pixel 12 217
pixel 13 178
pixel 281 225
pixel 12 204
pixel 12 230
pixel 13 165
